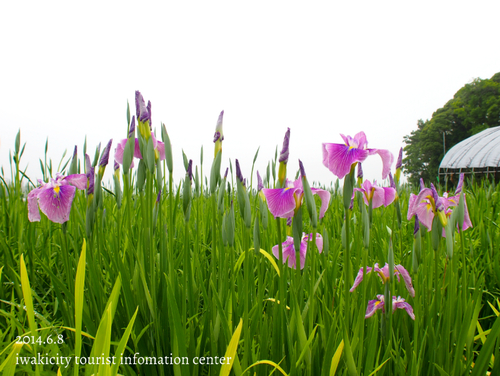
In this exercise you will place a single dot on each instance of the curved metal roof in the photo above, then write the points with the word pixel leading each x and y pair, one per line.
pixel 478 151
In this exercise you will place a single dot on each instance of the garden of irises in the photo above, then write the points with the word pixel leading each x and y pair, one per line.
pixel 234 271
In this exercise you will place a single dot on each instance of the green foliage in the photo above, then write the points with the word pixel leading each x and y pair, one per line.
pixel 186 288
pixel 474 108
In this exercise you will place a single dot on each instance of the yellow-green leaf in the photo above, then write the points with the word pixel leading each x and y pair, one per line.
pixel 79 288
pixel 271 260
pixel 231 351
pixel 11 361
pixel 269 362
pixel 336 358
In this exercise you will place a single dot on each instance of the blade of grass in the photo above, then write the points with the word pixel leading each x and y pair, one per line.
pixel 79 291
pixel 28 302
pixel 231 350
pixel 336 358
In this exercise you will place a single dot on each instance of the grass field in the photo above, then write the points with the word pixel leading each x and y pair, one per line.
pixel 158 277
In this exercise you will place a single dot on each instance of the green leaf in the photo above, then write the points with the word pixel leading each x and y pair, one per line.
pixel 231 351
pixel 336 358
pixel 79 292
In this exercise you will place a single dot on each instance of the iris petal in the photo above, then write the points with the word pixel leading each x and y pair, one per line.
pixel 361 141
pixel 288 252
pixel 338 158
pixel 57 206
pixel 281 201
pixel 33 212
pixel 78 180
pixel 378 198
pixel 401 304
pixel 161 150
pixel 374 305
pixel 325 200
pixel 359 277
pixel 387 159
pixel 407 279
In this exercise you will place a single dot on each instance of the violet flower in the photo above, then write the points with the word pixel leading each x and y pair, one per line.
pixel 285 152
pixel 289 250
pixel 426 205
pixel 259 182
pixel 90 181
pixel 360 174
pixel 55 198
pixel 339 158
pixel 283 202
pixel 104 158
pixel 378 196
pixel 384 275
pixel 459 186
pixel 397 302
pixel 143 117
pixel 239 175
pixel 131 130
pixel 399 165
pixel 140 108
pixel 159 147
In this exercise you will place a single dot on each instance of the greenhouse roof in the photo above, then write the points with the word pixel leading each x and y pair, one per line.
pixel 479 151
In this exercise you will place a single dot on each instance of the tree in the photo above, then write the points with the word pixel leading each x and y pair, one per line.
pixel 474 108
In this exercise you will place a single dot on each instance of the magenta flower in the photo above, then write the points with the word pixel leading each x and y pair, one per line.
pixel 383 273
pixel 339 158
pixel 289 250
pixel 428 204
pixel 55 198
pixel 157 145
pixel 378 196
pixel 283 202
pixel 374 305
pixel 453 201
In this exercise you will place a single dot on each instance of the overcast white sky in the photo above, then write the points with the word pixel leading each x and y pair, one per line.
pixel 320 68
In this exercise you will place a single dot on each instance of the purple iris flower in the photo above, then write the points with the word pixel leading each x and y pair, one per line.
pixel 378 196
pixel 427 204
pixel 397 302
pixel 285 151
pixel 190 170
pixel 283 202
pixel 131 130
pixel 239 175
pixel 384 274
pixel 105 155
pixel 157 145
pixel 399 162
pixel 259 182
pixel 360 171
pixel 90 181
pixel 339 158
pixel 391 181
pixel 148 107
pixel 289 250
pixel 140 108
pixel 55 198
